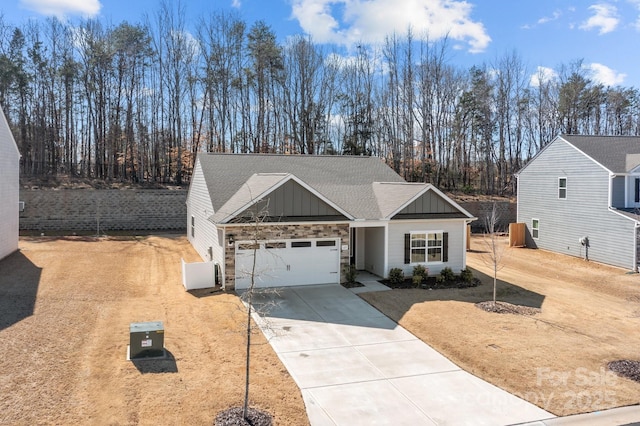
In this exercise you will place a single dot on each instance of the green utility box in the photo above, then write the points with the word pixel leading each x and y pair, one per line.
pixel 146 339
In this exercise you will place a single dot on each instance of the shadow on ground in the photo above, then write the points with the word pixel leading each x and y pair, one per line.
pixel 337 305
pixel 505 292
pixel 206 292
pixel 19 280
pixel 395 304
pixel 155 365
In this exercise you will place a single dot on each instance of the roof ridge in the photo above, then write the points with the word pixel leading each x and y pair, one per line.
pixel 402 183
pixel 601 136
pixel 271 154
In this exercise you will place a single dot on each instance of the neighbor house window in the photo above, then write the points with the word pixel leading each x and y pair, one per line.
pixel 562 187
pixel 426 247
pixel 535 228
pixel 193 226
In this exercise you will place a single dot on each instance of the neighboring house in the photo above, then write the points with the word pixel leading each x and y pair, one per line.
pixel 325 212
pixel 9 189
pixel 580 195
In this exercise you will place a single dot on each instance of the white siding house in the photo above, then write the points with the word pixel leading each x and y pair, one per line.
pixel 324 213
pixel 579 196
pixel 9 189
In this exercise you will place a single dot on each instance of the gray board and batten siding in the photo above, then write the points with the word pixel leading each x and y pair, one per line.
pixel 585 212
pixel 292 200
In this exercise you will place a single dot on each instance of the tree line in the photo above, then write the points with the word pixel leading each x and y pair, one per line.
pixel 136 102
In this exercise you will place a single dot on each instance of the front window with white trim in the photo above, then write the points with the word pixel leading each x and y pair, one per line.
pixel 426 247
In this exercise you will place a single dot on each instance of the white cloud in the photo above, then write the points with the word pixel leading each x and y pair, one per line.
pixel 604 75
pixel 348 22
pixel 236 4
pixel 605 18
pixel 188 41
pixel 542 75
pixel 636 4
pixel 554 17
pixel 63 8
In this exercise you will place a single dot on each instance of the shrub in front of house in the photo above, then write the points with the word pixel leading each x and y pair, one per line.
pixel 350 274
pixel 447 275
pixel 396 277
pixel 417 280
pixel 420 274
pixel 421 279
pixel 466 275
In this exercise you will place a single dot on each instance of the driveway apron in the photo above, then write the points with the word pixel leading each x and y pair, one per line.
pixel 355 366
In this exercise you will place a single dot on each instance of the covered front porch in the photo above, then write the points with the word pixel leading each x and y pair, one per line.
pixel 368 248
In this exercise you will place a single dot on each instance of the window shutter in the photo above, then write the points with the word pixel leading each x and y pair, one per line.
pixel 637 198
pixel 407 249
pixel 445 246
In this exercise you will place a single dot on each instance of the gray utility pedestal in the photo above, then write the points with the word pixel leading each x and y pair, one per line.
pixel 146 339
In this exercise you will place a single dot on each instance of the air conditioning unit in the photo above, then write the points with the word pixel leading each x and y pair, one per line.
pixel 146 339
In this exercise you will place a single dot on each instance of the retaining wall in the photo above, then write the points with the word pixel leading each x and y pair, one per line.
pixel 83 210
pixel 507 213
pixel 78 210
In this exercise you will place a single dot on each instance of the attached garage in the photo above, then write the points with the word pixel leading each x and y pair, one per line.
pixel 285 263
pixel 301 208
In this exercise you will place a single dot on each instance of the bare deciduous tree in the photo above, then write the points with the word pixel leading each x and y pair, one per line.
pixel 256 218
pixel 496 249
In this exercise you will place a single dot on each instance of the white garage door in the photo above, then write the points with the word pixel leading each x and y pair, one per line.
pixel 288 263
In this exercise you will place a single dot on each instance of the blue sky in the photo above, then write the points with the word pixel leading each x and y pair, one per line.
pixel 544 33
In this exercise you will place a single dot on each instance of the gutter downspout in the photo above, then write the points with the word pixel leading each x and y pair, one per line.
pixel 609 197
pixel 517 175
pixel 636 268
pixel 223 283
pixel 385 264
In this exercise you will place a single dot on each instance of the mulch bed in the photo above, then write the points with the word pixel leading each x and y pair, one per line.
pixel 626 368
pixel 431 284
pixel 352 285
pixel 507 308
pixel 233 417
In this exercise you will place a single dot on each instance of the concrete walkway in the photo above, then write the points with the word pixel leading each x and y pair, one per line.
pixel 355 366
pixel 623 416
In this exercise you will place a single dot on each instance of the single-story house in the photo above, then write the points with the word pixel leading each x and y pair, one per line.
pixel 9 189
pixel 580 195
pixel 324 213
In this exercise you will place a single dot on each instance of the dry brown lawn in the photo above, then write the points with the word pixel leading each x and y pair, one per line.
pixel 65 309
pixel 556 359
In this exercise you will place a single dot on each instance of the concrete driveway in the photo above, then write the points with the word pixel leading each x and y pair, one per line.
pixel 355 366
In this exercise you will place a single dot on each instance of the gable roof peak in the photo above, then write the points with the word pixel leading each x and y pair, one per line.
pixel 611 152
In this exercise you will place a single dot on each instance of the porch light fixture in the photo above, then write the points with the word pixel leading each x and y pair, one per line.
pixel 230 239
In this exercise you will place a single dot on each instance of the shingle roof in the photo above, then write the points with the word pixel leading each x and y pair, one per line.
pixel 345 180
pixel 618 154
pixel 391 196
pixel 362 187
pixel 255 186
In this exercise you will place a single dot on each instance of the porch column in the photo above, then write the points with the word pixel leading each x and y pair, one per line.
pixel 385 269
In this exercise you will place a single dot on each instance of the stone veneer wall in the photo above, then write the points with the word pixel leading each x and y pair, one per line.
pixel 81 210
pixel 282 231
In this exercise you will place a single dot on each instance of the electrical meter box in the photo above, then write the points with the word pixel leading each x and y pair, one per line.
pixel 146 339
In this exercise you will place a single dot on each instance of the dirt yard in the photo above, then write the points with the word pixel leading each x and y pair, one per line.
pixel 556 359
pixel 65 309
